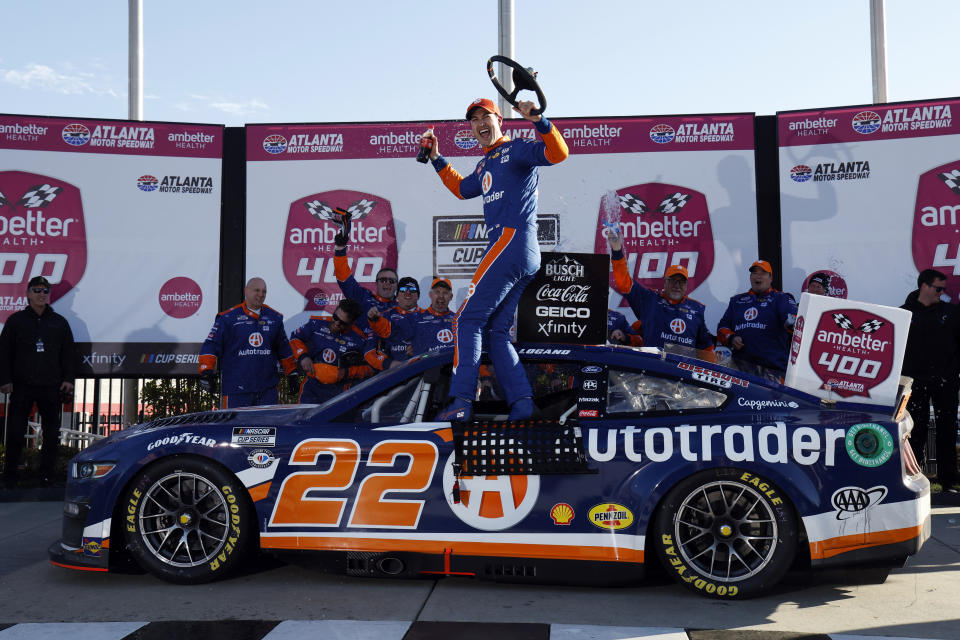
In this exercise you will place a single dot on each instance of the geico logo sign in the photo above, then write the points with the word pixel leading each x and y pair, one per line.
pixel 563 312
pixel 735 443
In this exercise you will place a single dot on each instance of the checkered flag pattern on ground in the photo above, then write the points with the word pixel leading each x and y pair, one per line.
pixel 39 196
pixel 321 210
pixel 633 204
pixel 871 325
pixel 842 321
pixel 951 179
pixel 673 203
pixel 359 209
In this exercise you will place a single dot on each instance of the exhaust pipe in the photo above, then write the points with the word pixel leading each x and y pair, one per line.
pixel 390 566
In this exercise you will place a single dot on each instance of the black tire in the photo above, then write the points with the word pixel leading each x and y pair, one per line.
pixel 187 520
pixel 726 533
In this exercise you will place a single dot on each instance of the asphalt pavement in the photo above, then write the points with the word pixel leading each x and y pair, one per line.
pixel 920 600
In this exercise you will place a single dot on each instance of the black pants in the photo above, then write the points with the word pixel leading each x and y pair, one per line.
pixel 48 406
pixel 943 393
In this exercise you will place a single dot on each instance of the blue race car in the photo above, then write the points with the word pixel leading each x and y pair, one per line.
pixel 727 478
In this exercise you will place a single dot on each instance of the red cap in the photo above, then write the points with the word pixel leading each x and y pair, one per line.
pixel 763 264
pixel 677 270
pixel 485 103
pixel 441 281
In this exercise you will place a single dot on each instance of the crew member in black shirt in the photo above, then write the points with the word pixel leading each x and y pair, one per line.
pixel 38 362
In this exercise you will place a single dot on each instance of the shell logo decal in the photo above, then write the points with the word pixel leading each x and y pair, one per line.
pixel 561 513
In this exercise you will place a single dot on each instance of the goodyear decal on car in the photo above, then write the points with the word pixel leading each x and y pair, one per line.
pixel 610 515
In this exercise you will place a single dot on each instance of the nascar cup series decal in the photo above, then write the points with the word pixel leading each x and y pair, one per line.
pixel 308 243
pixel 661 224
pixel 42 233
pixel 936 242
pixel 852 351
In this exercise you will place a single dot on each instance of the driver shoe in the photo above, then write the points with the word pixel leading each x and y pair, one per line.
pixel 460 410
pixel 522 409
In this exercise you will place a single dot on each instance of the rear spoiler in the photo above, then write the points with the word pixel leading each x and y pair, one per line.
pixel 903 397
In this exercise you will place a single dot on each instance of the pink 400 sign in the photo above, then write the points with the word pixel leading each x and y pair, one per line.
pixel 42 233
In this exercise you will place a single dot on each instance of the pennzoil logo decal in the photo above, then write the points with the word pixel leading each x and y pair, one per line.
pixel 610 515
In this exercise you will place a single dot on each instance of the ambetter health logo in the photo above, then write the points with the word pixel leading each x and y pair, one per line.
pixel 308 243
pixel 42 233
pixel 852 351
pixel 936 222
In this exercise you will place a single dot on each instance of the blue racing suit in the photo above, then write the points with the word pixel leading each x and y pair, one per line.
pixel 617 321
pixel 423 331
pixel 765 324
pixel 507 178
pixel 248 345
pixel 337 358
pixel 663 320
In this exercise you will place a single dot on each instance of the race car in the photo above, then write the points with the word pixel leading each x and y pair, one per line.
pixel 634 456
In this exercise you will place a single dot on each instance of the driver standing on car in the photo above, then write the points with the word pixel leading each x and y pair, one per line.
pixel 506 177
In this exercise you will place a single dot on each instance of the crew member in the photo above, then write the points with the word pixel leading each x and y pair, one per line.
pixel 427 330
pixel 248 340
pixel 619 332
pixel 667 318
pixel 819 284
pixel 330 352
pixel 506 177
pixel 758 324
pixel 38 363
pixel 931 359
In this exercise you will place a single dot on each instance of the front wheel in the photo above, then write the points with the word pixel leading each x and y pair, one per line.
pixel 186 520
pixel 726 533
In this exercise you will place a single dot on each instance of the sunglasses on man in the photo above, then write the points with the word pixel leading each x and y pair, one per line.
pixel 340 321
pixel 40 290
pixel 408 288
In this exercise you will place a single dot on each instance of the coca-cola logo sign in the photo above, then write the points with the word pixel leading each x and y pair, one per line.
pixel 661 225
pixel 936 219
pixel 308 243
pixel 42 233
pixel 558 306
pixel 852 351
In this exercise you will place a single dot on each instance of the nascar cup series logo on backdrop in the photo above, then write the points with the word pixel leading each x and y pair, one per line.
pixel 936 224
pixel 852 351
pixel 42 233
pixel 308 242
pixel 662 224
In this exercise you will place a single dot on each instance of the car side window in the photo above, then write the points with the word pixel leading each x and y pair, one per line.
pixel 398 405
pixel 554 386
pixel 643 392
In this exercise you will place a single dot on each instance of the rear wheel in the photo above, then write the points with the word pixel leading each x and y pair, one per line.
pixel 187 520
pixel 726 533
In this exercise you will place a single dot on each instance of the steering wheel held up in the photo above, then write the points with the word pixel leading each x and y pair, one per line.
pixel 524 78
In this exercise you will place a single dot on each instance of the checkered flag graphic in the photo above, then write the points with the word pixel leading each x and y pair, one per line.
pixel 842 321
pixel 361 208
pixel 322 211
pixel 39 196
pixel 951 179
pixel 673 203
pixel 633 204
pixel 3 200
pixel 871 325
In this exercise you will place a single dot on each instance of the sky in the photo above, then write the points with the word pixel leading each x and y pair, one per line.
pixel 250 61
